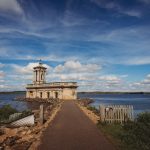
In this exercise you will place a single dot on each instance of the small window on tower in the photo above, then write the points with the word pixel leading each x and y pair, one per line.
pixel 42 76
pixel 36 76
pixel 31 93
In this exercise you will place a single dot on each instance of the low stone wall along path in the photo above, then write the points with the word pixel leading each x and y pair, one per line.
pixel 73 130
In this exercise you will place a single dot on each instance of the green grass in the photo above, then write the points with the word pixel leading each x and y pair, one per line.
pixel 133 135
pixel 112 132
pixel 93 109
pixel 6 111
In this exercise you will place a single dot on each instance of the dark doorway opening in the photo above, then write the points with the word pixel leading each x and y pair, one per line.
pixel 56 94
pixel 41 94
pixel 48 94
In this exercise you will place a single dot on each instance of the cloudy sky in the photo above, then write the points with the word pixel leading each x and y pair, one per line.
pixel 104 45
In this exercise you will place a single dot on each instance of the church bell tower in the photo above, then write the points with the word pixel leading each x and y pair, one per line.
pixel 39 74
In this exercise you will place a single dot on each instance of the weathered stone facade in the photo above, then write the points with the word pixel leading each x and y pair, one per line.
pixel 41 89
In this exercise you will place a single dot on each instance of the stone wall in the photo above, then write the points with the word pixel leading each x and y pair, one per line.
pixel 69 93
pixel 65 93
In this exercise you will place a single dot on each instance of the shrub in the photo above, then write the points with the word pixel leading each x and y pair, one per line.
pixel 133 135
pixel 136 135
pixel 25 113
pixel 93 109
pixel 6 111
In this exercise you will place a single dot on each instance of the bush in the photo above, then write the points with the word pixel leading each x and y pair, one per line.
pixel 133 135
pixel 6 111
pixel 25 113
pixel 113 129
pixel 85 101
pixel 136 135
pixel 93 109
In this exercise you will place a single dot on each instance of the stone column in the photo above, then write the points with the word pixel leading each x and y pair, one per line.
pixel 44 76
pixel 41 114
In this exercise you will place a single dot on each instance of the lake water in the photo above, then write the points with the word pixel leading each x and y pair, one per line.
pixel 19 105
pixel 140 102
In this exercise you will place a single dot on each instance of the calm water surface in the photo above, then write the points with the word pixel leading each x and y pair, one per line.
pixel 140 102
pixel 8 99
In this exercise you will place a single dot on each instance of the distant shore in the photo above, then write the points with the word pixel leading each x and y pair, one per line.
pixel 94 92
pixel 98 92
pixel 12 92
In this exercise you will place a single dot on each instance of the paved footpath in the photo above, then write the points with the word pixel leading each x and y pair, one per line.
pixel 73 130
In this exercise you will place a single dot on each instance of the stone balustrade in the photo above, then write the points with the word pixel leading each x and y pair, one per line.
pixel 53 84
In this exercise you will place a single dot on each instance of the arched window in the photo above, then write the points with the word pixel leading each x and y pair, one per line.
pixel 41 76
pixel 36 75
pixel 31 93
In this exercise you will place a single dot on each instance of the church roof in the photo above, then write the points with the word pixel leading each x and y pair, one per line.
pixel 40 65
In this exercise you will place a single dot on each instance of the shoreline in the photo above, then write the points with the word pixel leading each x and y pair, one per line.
pixel 28 136
pixel 96 120
pixel 120 135
pixel 84 92
pixel 91 115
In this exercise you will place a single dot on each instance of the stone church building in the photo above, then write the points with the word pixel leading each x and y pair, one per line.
pixel 40 89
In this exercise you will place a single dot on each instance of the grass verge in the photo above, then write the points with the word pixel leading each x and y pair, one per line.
pixel 132 135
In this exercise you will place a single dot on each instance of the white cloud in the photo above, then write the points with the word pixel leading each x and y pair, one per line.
pixel 4 51
pixel 148 76
pixel 59 68
pixel 5 87
pixel 2 74
pixel 10 5
pixel 18 77
pixel 130 44
pixel 143 85
pixel 133 13
pixel 110 79
pixel 76 66
pixel 1 65
pixel 87 81
pixel 74 70
pixel 106 4
pixel 70 77
pixel 117 7
pixel 2 86
pixel 70 19
pixel 140 60
pixel 146 80
pixel 145 1
pixel 28 69
pixel 1 81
